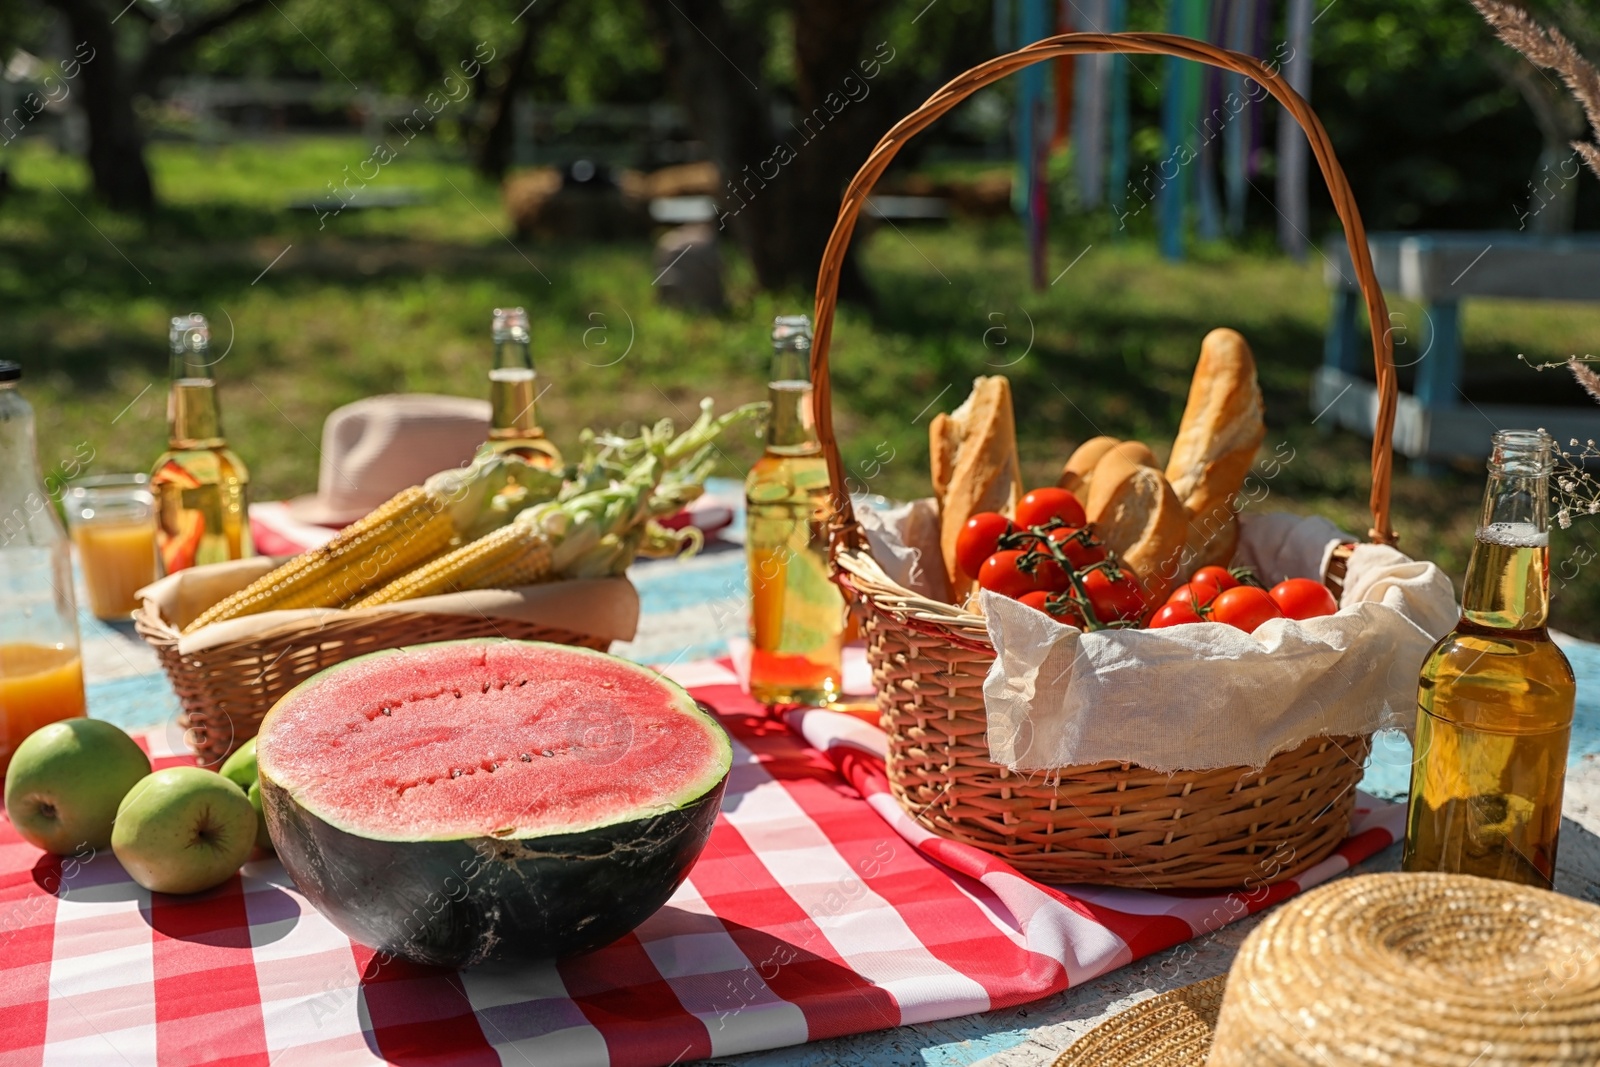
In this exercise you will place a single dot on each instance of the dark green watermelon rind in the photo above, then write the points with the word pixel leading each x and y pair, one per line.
pixel 716 773
pixel 460 902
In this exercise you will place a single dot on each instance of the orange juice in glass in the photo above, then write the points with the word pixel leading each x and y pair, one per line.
pixel 112 518
pixel 39 684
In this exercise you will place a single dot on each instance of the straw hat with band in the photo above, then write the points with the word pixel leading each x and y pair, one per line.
pixel 1432 970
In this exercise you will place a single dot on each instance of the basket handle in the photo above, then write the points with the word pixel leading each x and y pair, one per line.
pixel 845 531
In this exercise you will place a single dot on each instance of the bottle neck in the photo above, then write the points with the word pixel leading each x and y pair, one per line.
pixel 512 354
pixel 27 517
pixel 192 419
pixel 513 390
pixel 19 476
pixel 16 426
pixel 1508 578
pixel 791 426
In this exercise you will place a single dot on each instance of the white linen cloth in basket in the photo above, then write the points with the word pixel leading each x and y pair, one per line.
pixel 1206 695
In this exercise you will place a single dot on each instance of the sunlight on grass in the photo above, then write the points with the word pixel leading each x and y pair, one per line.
pixel 398 299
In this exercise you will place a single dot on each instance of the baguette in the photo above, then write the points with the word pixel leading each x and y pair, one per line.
pixel 973 451
pixel 1138 516
pixel 1077 475
pixel 1216 445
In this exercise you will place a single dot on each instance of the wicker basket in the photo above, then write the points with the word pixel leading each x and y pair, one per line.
pixel 224 691
pixel 1110 823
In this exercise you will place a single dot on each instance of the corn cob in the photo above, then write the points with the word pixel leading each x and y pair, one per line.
pixel 411 527
pixel 518 554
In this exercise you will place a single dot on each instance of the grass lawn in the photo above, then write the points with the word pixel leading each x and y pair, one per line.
pixel 314 315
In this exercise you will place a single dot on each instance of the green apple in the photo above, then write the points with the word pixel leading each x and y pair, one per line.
pixel 183 829
pixel 263 841
pixel 240 768
pixel 66 780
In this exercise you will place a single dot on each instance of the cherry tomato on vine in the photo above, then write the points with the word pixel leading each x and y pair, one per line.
pixel 1217 576
pixel 1079 553
pixel 1067 614
pixel 1042 505
pixel 1174 614
pixel 978 540
pixel 1113 600
pixel 1000 574
pixel 1244 607
pixel 1303 598
pixel 1048 575
pixel 1196 594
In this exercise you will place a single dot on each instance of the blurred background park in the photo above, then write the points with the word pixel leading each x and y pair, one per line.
pixel 347 189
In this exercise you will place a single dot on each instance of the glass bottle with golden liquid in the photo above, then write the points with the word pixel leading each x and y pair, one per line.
pixel 1495 700
pixel 796 612
pixel 201 487
pixel 513 389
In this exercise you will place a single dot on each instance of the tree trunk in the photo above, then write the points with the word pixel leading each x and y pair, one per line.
pixel 1553 189
pixel 830 44
pixel 1553 204
pixel 781 186
pixel 493 157
pixel 116 145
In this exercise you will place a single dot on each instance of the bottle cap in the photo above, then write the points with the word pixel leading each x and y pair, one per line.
pixel 189 333
pixel 792 331
pixel 9 371
pixel 511 324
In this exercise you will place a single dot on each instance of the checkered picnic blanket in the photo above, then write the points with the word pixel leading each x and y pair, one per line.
pixel 819 908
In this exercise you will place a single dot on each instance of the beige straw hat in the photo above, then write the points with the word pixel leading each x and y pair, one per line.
pixel 1408 970
pixel 379 445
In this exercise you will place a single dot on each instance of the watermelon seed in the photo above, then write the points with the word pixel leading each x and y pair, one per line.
pixel 485 687
pixel 522 683
pixel 383 711
pixel 455 772
pixel 547 752
pixel 458 694
pixel 526 758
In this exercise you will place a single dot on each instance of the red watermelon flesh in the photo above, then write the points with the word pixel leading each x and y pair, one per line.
pixel 476 739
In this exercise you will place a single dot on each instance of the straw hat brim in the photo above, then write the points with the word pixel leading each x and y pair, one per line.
pixel 1172 1029
pixel 312 509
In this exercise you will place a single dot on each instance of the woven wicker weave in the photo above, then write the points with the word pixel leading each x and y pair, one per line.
pixel 225 690
pixel 1171 1029
pixel 1445 970
pixel 1113 824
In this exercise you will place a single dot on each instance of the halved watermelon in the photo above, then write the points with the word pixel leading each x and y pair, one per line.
pixel 471 800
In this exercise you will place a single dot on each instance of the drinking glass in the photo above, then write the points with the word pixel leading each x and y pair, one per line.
pixel 112 519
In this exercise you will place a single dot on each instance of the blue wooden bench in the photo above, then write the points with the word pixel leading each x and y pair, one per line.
pixel 1440 270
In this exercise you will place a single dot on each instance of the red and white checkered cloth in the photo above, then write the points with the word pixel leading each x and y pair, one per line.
pixel 818 909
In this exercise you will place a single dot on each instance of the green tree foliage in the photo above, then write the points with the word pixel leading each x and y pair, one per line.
pixel 1425 109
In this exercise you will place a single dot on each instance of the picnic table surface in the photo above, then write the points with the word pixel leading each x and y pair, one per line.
pixel 691 609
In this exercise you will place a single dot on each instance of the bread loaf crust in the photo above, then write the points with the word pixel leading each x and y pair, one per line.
pixel 1077 474
pixel 1138 516
pixel 943 442
pixel 1138 452
pixel 973 452
pixel 1216 445
pixel 1076 470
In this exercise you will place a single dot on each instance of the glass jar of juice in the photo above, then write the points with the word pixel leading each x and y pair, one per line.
pixel 41 672
pixel 113 522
